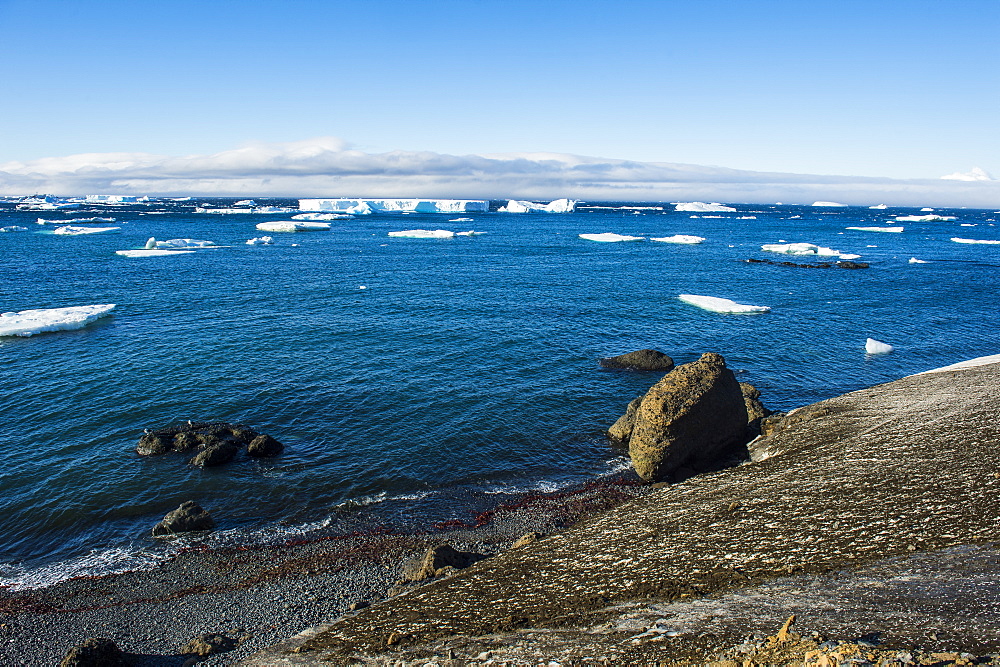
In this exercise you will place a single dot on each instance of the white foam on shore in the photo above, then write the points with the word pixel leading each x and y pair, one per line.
pixel 806 249
pixel 720 305
pixel 94 564
pixel 151 252
pixel 702 207
pixel 293 226
pixel 423 234
pixel 925 218
pixel 895 230
pixel 873 346
pixel 968 363
pixel 610 237
pixel 679 238
pixel 31 322
pixel 980 241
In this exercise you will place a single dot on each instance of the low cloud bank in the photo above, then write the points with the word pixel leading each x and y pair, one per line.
pixel 329 167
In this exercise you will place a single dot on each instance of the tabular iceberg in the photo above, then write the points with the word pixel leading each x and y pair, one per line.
pixel 556 206
pixel 679 238
pixel 873 346
pixel 293 226
pixel 30 322
pixel 720 305
pixel 359 206
pixel 827 203
pixel 876 229
pixel 70 230
pixel 806 249
pixel 610 237
pixel 981 241
pixel 702 207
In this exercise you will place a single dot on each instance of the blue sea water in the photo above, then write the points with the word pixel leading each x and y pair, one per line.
pixel 464 373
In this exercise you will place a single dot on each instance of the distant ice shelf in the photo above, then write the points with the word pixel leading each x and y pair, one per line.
pixel 720 305
pixel 31 322
pixel 610 237
pixel 679 238
pixel 362 206
pixel 702 207
pixel 555 206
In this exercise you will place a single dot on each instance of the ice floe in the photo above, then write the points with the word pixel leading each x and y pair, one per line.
pixel 261 240
pixel 702 207
pixel 806 249
pixel 555 206
pixel 364 206
pixel 265 210
pixel 827 203
pixel 13 228
pixel 679 238
pixel 152 252
pixel 31 322
pixel 43 221
pixel 185 243
pixel 316 217
pixel 293 226
pixel 926 208
pixel 720 305
pixel 914 260
pixel 115 199
pixel 877 229
pixel 245 202
pixel 981 241
pixel 878 207
pixel 610 237
pixel 423 234
pixel 873 346
pixel 925 218
pixel 460 220
pixel 71 230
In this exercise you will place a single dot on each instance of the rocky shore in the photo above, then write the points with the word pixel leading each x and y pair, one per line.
pixel 872 518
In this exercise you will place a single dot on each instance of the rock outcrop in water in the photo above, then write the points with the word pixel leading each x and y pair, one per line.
pixel 188 518
pixel 640 360
pixel 216 443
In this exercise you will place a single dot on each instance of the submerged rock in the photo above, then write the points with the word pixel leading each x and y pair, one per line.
pixel 640 360
pixel 95 652
pixel 189 517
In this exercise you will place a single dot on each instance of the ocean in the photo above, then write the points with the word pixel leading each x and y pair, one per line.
pixel 415 382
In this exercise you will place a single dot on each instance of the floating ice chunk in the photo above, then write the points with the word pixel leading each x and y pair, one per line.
pixel 315 217
pixel 30 322
pixel 609 237
pixel 679 238
pixel 245 202
pixel 151 252
pixel 43 221
pixel 555 206
pixel 927 208
pixel 968 224
pixel 112 199
pixel 806 249
pixel 184 243
pixel 261 240
pixel 982 241
pixel 13 228
pixel 270 210
pixel 293 226
pixel 877 229
pixel 702 207
pixel 460 220
pixel 878 207
pixel 469 233
pixel 914 260
pixel 925 218
pixel 719 305
pixel 827 203
pixel 345 205
pixel 423 234
pixel 873 346
pixel 71 230
pixel 150 244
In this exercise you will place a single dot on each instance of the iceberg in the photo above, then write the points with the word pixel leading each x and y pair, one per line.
pixel 345 205
pixel 806 249
pixel 245 202
pixel 702 207
pixel 878 207
pixel 914 260
pixel 926 208
pixel 316 217
pixel 679 238
pixel 31 322
pixel 981 241
pixel 185 243
pixel 873 346
pixel 70 230
pixel 113 199
pixel 151 252
pixel 556 206
pixel 261 240
pixel 609 237
pixel 720 305
pixel 827 203
pixel 877 229
pixel 293 226
pixel 13 228
pixel 150 243
pixel 925 218
pixel 423 234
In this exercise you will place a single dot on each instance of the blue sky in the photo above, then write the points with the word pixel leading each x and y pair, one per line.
pixel 905 90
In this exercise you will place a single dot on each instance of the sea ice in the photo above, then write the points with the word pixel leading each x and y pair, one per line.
pixel 925 218
pixel 679 238
pixel 914 260
pixel 261 240
pixel 316 217
pixel 112 199
pixel 982 241
pixel 43 221
pixel 873 346
pixel 70 230
pixel 151 252
pixel 184 243
pixel 827 203
pixel 13 228
pixel 555 206
pixel 365 206
pixel 460 220
pixel 806 249
pixel 269 210
pixel 423 234
pixel 469 233
pixel 702 207
pixel 245 202
pixel 30 322
pixel 878 207
pixel 150 243
pixel 876 229
pixel 720 305
pixel 609 237
pixel 293 226
pixel 927 208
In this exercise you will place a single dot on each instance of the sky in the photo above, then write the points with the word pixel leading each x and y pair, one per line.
pixel 906 90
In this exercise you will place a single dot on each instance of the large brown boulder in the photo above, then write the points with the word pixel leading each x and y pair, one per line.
pixel 189 517
pixel 687 418
pixel 621 430
pixel 95 652
pixel 640 360
pixel 438 560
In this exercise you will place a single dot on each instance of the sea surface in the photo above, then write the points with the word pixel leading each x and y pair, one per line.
pixel 418 381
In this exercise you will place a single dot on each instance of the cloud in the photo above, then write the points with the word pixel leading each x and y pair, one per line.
pixel 329 167
pixel 975 174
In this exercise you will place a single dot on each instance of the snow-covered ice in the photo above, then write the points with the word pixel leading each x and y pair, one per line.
pixel 460 220
pixel 30 322
pixel 610 237
pixel 926 208
pixel 293 226
pixel 261 240
pixel 702 207
pixel 245 202
pixel 827 203
pixel 877 229
pixel 981 241
pixel 43 221
pixel 316 217
pixel 720 305
pixel 878 207
pixel 152 252
pixel 806 249
pixel 873 346
pixel 357 206
pixel 914 260
pixel 266 210
pixel 555 206
pixel 112 199
pixel 925 218
pixel 679 238
pixel 71 230
pixel 13 228
pixel 423 234
pixel 185 243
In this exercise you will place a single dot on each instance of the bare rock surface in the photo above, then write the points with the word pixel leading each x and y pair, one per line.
pixel 640 360
pixel 189 517
pixel 95 652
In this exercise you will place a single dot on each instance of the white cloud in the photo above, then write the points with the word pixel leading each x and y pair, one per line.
pixel 974 174
pixel 329 167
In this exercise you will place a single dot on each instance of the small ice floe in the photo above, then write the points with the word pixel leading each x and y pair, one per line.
pixel 679 238
pixel 873 346
pixel 925 218
pixel 185 243
pixel 150 243
pixel 423 234
pixel 293 226
pixel 151 252
pixel 806 249
pixel 895 230
pixel 13 228
pixel 720 305
pixel 469 233
pixel 927 208
pixel 30 322
pixel 261 240
pixel 316 217
pixel 245 202
pixel 702 207
pixel 72 230
pixel 43 221
pixel 968 224
pixel 827 203
pixel 461 220
pixel 982 241
pixel 878 207
pixel 610 237
pixel 914 260
pixel 362 286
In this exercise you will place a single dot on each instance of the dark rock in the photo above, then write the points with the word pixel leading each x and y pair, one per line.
pixel 186 441
pixel 640 360
pixel 358 606
pixel 264 446
pixel 842 264
pixel 621 430
pixel 223 451
pixel 154 444
pixel 208 644
pixel 189 517
pixel 437 559
pixel 244 434
pixel 751 398
pixel 95 652
pixel 694 413
pixel 847 264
